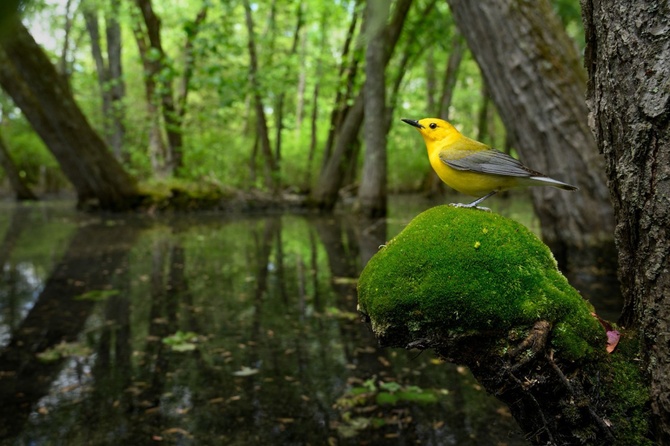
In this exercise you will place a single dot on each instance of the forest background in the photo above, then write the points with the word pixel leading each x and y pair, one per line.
pixel 251 96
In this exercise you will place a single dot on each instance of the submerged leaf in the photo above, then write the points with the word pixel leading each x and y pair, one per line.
pixel 182 341
pixel 97 295
pixel 245 371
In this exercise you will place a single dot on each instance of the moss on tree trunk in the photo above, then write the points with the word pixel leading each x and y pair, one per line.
pixel 483 291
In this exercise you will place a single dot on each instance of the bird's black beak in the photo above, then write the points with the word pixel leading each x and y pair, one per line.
pixel 412 122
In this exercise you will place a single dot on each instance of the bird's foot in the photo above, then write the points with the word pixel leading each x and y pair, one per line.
pixel 470 206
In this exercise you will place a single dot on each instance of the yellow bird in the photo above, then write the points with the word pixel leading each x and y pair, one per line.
pixel 472 167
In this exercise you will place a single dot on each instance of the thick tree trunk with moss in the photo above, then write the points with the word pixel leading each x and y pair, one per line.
pixel 536 80
pixel 27 75
pixel 628 61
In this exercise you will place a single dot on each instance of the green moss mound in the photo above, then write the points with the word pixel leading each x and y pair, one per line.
pixel 455 271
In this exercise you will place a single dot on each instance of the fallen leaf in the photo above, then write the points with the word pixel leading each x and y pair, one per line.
pixel 613 337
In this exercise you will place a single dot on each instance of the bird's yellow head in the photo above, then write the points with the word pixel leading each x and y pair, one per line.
pixel 433 129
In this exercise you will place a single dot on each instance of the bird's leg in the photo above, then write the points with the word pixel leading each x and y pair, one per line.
pixel 476 202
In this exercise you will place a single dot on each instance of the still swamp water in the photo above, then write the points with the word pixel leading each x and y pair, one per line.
pixel 207 328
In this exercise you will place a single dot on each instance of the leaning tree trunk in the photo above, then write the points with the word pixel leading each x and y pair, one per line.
pixel 628 62
pixel 537 83
pixel 27 75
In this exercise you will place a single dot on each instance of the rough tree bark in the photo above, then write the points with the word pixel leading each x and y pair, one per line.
pixel 372 191
pixel 628 62
pixel 27 75
pixel 534 75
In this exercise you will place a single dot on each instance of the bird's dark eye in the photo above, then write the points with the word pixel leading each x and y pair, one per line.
pixel 432 125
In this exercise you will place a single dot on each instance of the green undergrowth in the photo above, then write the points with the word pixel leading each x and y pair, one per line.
pixel 455 271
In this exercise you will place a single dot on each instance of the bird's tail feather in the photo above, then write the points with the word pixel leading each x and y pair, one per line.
pixel 551 182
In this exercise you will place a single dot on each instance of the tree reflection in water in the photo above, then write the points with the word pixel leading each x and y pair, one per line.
pixel 211 330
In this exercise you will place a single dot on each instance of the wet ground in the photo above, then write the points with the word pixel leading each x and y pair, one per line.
pixel 217 329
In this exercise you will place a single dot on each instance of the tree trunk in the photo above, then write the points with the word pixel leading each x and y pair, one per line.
pixel 302 84
pixel 440 109
pixel 628 62
pixel 457 49
pixel 372 191
pixel 32 81
pixel 334 169
pixel 63 66
pixel 112 89
pixel 279 112
pixel 345 91
pixel 534 75
pixel 411 52
pixel 331 178
pixel 270 166
pixel 314 117
pixel 484 124
pixel 192 30
pixel 158 151
pixel 431 80
pixel 20 188
pixel 117 87
pixel 160 91
pixel 110 81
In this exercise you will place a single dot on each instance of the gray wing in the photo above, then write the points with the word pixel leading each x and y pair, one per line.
pixel 489 161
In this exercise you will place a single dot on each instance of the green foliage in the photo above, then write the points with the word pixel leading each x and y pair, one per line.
pixel 219 129
pixel 454 271
pixel 29 153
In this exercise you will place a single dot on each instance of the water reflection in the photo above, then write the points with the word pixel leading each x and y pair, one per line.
pixel 207 329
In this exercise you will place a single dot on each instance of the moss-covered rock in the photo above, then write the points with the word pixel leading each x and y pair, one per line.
pixel 456 272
